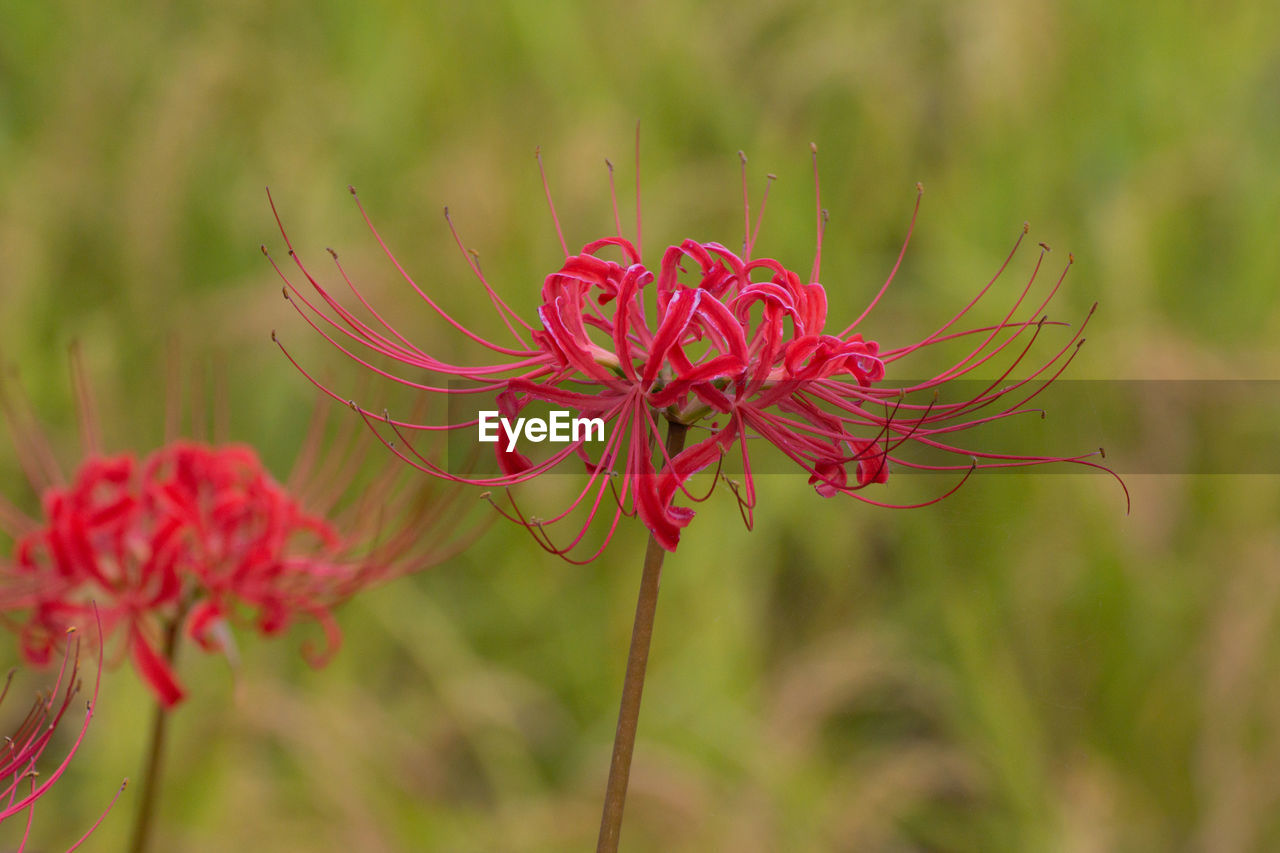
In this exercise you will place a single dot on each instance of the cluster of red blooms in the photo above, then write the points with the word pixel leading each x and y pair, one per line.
pixel 737 344
pixel 191 527
pixel 195 536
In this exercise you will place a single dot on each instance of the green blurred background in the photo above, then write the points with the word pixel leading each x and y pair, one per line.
pixel 1022 667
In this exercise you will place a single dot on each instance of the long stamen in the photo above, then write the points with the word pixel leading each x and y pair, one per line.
pixel 172 391
pixel 499 304
pixel 221 406
pixel 967 306
pixel 34 454
pixel 613 198
pixel 199 422
pixel 90 431
pixel 911 227
pixel 546 189
pixel 639 224
pixel 399 268
pixel 820 215
pixel 746 209
pixel 764 200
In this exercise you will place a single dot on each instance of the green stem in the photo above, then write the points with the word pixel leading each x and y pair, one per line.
pixel 150 787
pixel 624 740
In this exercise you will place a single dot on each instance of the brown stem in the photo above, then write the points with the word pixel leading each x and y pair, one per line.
pixel 155 754
pixel 624 740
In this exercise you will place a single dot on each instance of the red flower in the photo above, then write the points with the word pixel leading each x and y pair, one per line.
pixel 196 534
pixel 707 337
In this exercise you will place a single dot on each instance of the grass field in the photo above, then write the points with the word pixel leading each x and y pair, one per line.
pixel 1021 667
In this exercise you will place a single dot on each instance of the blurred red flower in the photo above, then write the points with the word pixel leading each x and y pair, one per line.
pixel 201 536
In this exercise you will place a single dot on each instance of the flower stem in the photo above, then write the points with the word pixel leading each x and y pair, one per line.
pixel 624 740
pixel 155 754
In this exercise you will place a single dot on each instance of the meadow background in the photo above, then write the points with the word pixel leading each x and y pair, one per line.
pixel 1021 667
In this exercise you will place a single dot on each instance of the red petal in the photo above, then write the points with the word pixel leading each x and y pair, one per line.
pixel 155 670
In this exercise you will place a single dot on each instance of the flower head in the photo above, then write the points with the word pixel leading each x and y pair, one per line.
pixel 196 535
pixel 707 337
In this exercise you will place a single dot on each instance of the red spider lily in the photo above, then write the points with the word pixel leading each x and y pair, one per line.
pixel 20 784
pixel 708 337
pixel 196 534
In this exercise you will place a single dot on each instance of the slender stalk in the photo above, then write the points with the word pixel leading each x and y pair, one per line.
pixel 624 740
pixel 155 754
